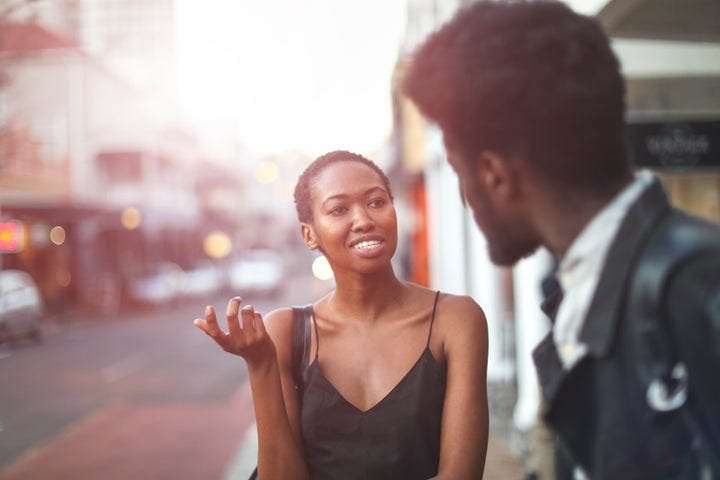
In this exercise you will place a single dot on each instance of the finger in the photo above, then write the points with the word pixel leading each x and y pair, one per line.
pixel 232 315
pixel 259 324
pixel 247 314
pixel 211 324
pixel 201 324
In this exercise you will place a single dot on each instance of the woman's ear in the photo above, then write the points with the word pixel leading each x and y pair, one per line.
pixel 308 235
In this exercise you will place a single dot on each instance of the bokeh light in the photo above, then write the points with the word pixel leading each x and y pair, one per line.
pixel 266 172
pixel 321 268
pixel 217 244
pixel 57 235
pixel 131 218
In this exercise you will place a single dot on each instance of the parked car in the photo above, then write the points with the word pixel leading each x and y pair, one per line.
pixel 21 306
pixel 164 283
pixel 257 272
pixel 202 279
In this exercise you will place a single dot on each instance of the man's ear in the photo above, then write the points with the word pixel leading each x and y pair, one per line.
pixel 496 174
pixel 308 235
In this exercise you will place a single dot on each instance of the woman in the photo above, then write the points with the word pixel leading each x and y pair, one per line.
pixel 396 382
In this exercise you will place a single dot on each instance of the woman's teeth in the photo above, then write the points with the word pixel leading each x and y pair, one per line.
pixel 370 244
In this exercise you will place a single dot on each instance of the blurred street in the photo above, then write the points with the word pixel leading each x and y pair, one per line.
pixel 145 395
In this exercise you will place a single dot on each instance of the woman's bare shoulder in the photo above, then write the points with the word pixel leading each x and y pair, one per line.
pixel 451 308
pixel 278 323
pixel 463 304
pixel 279 316
pixel 460 315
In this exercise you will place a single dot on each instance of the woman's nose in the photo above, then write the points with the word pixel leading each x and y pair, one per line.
pixel 362 219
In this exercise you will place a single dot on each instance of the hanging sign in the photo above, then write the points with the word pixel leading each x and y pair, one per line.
pixel 675 144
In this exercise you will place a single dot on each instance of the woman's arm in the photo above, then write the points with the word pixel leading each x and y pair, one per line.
pixel 464 431
pixel 279 445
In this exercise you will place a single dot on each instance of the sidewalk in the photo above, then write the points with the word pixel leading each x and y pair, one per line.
pixel 142 442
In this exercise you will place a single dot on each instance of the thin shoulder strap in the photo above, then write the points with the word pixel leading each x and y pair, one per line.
pixel 300 345
pixel 317 339
pixel 432 319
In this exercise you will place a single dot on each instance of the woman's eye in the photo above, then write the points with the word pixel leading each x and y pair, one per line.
pixel 337 211
pixel 377 203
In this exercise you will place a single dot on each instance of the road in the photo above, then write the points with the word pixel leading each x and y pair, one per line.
pixel 137 373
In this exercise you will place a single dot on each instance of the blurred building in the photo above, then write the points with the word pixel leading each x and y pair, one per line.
pixel 97 166
pixel 135 37
pixel 671 59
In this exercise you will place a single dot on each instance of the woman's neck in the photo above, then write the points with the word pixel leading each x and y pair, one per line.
pixel 365 297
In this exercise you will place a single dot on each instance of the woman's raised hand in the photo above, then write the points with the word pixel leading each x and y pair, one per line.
pixel 248 338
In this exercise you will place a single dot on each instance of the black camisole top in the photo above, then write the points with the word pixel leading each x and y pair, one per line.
pixel 398 438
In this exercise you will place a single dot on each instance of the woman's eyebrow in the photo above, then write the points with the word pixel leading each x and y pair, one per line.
pixel 335 197
pixel 345 195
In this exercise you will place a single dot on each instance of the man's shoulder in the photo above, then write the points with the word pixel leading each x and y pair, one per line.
pixel 679 238
pixel 680 222
pixel 679 280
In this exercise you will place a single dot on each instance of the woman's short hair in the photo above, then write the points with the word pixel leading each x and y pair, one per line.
pixel 304 183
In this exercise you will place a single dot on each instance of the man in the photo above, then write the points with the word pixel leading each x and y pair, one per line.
pixel 530 101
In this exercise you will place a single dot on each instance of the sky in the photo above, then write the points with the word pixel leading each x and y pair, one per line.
pixel 310 75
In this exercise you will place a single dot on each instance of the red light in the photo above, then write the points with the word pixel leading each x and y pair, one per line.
pixel 10 236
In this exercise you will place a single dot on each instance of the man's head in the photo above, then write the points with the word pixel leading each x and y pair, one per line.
pixel 524 81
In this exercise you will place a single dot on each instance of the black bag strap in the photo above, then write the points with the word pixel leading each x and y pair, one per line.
pixel 300 353
pixel 676 241
pixel 301 346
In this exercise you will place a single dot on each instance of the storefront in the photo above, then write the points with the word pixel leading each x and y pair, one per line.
pixel 70 252
pixel 686 156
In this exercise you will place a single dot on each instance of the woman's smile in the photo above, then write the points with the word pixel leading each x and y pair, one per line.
pixel 368 247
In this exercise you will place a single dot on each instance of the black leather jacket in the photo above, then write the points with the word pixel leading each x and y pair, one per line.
pixel 598 408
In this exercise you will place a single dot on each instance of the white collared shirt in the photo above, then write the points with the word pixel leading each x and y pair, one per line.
pixel 580 269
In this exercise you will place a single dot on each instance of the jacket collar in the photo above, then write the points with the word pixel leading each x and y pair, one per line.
pixel 604 312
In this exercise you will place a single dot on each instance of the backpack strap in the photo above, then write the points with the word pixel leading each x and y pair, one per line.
pixel 301 346
pixel 676 241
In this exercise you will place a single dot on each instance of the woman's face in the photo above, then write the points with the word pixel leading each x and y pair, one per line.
pixel 354 222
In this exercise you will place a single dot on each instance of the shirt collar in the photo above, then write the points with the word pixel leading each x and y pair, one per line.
pixel 587 252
